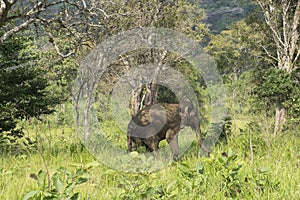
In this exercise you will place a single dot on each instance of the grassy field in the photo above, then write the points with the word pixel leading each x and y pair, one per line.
pixel 57 166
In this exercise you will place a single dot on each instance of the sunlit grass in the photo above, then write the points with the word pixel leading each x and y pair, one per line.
pixel 273 174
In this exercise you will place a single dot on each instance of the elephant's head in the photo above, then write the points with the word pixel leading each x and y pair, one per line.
pixel 190 117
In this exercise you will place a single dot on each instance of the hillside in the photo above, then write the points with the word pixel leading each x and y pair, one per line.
pixel 221 13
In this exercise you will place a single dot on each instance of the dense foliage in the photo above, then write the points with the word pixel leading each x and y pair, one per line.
pixel 276 86
pixel 227 173
pixel 23 91
pixel 256 48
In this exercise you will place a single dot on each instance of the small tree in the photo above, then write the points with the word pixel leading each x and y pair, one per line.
pixel 22 88
pixel 283 21
pixel 183 16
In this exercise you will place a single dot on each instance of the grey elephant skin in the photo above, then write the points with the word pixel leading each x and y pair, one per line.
pixel 155 123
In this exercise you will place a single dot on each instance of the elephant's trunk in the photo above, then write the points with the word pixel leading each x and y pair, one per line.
pixel 200 141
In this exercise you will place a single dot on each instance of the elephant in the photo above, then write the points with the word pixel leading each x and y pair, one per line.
pixel 155 123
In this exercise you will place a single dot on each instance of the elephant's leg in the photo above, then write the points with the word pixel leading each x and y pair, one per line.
pixel 151 143
pixel 133 146
pixel 133 143
pixel 172 139
pixel 130 143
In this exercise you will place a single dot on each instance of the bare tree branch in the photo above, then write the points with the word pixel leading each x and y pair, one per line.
pixel 52 41
pixel 73 18
pixel 16 30
pixel 5 8
pixel 270 55
pixel 295 33
pixel 283 18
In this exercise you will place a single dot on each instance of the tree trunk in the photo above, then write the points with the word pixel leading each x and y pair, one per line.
pixel 152 86
pixel 250 145
pixel 234 112
pixel 283 19
pixel 135 100
pixel 280 117
pixel 152 89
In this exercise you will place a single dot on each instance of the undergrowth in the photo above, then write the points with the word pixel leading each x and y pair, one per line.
pixel 55 166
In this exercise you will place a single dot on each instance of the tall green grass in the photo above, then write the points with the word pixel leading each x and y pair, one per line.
pixel 229 172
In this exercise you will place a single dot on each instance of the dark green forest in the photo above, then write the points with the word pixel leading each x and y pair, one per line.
pixel 50 90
